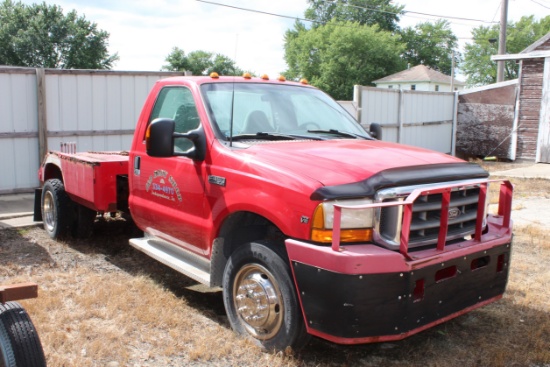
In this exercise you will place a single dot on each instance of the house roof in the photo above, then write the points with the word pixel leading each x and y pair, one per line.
pixel 419 73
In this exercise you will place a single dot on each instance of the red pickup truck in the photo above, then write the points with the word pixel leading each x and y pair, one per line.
pixel 271 191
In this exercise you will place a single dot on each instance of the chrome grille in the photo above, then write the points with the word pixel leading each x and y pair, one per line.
pixel 426 219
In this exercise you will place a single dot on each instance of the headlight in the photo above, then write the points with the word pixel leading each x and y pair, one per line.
pixel 356 224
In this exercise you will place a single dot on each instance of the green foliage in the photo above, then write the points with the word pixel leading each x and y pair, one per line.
pixel 40 35
pixel 365 12
pixel 337 55
pixel 479 68
pixel 431 44
pixel 200 63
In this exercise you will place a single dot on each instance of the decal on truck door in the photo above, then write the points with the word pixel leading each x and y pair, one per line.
pixel 164 186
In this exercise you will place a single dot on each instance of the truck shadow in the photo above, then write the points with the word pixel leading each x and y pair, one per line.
pixel 111 238
pixel 480 338
pixel 16 250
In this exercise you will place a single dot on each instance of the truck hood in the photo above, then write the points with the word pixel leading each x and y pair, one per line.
pixel 336 162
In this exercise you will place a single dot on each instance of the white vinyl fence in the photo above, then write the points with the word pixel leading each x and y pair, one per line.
pixel 40 108
pixel 422 119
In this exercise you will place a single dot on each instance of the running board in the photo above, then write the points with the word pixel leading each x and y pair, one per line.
pixel 178 259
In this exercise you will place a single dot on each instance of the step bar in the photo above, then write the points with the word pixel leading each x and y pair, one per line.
pixel 175 257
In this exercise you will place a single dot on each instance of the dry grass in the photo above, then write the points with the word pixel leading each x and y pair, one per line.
pixel 102 303
pixel 523 187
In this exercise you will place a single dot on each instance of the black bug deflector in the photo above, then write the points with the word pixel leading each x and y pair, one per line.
pixel 401 176
pixel 363 308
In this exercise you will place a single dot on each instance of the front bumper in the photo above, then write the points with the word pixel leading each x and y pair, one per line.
pixel 364 293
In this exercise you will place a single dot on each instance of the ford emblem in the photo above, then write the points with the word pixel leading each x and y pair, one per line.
pixel 454 213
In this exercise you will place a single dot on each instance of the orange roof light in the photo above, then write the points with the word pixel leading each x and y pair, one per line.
pixel 265 77
pixel 214 75
pixel 304 81
pixel 281 78
pixel 247 76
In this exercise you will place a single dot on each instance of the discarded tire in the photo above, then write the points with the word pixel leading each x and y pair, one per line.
pixel 19 342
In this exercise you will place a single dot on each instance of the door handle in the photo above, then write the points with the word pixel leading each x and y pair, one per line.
pixel 137 165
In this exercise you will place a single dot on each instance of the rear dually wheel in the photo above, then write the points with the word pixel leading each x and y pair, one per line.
pixel 57 209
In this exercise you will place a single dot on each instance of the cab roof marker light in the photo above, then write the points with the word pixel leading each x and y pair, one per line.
pixel 304 81
pixel 247 76
pixel 214 75
pixel 281 78
pixel 265 77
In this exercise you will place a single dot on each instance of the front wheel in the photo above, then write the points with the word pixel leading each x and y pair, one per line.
pixel 260 299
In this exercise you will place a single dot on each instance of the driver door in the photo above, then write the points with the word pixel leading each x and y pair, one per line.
pixel 169 194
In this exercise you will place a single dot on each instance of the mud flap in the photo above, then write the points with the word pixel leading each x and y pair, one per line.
pixel 37 217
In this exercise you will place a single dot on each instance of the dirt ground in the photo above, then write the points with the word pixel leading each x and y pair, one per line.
pixel 102 303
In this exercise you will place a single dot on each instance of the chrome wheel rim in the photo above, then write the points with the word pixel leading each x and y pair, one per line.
pixel 48 211
pixel 258 301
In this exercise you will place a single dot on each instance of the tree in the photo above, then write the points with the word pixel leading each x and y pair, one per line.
pixel 39 35
pixel 200 63
pixel 337 55
pixel 479 68
pixel 431 44
pixel 366 12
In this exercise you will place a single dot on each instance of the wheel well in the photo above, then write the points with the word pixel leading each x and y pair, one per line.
pixel 237 230
pixel 52 171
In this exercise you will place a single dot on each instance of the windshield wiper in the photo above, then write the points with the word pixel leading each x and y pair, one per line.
pixel 337 133
pixel 272 136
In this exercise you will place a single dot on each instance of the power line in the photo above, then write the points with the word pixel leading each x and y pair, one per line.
pixel 403 12
pixel 536 2
pixel 257 11
pixel 450 17
pixel 318 22
pixel 268 13
pixel 496 12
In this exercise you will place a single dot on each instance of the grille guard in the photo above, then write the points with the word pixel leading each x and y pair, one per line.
pixel 504 210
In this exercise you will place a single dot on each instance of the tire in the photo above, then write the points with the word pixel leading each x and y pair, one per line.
pixel 57 209
pixel 7 357
pixel 19 342
pixel 260 299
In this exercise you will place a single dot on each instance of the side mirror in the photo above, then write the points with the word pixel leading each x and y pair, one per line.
pixel 376 130
pixel 159 138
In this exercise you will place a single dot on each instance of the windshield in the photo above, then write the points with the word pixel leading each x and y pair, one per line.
pixel 285 110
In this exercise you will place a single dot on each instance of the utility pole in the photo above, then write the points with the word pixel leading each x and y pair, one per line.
pixel 502 39
pixel 453 71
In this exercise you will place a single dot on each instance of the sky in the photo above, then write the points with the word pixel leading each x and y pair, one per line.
pixel 144 32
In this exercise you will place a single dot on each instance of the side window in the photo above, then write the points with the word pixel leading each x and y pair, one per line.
pixel 177 103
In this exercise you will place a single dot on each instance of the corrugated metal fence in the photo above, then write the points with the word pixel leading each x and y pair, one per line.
pixel 40 108
pixel 18 130
pixel 422 119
